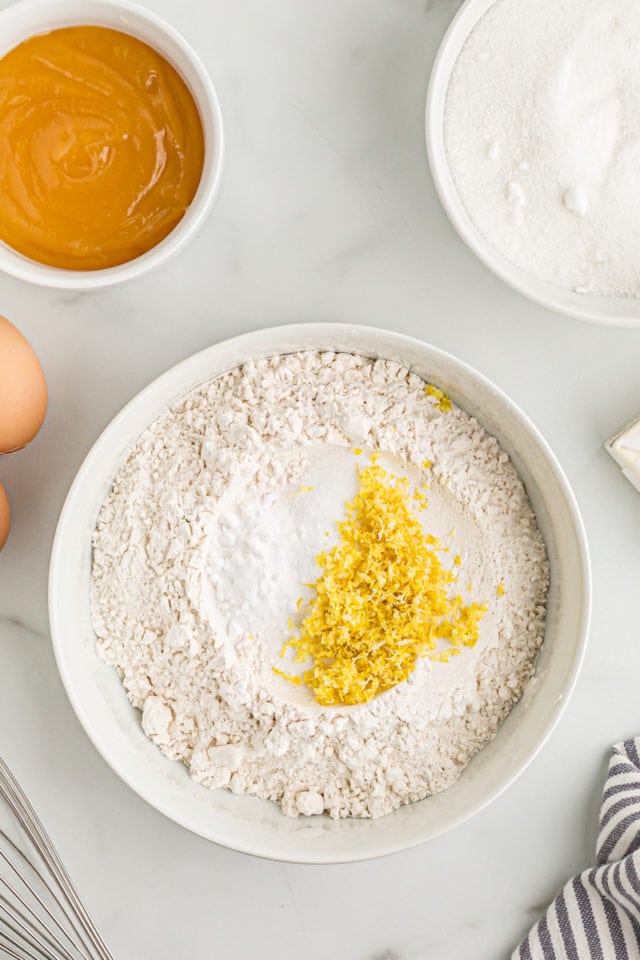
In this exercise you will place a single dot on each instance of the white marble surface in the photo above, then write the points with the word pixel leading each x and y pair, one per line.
pixel 326 212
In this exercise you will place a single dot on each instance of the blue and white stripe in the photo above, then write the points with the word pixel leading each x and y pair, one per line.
pixel 597 914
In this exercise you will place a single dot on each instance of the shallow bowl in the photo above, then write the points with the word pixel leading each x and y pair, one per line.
pixel 29 17
pixel 617 311
pixel 257 826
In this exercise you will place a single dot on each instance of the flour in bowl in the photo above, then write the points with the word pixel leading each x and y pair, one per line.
pixel 205 559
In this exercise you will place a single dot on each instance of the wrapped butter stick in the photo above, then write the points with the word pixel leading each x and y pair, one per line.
pixel 624 447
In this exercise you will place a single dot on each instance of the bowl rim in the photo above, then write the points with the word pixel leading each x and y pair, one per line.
pixel 15 264
pixel 611 311
pixel 59 553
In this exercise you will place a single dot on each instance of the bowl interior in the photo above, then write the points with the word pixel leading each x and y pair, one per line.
pixel 622 311
pixel 29 17
pixel 256 826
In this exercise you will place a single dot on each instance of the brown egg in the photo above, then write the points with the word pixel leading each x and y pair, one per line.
pixel 5 517
pixel 23 390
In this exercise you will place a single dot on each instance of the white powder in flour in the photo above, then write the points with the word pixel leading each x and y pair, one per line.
pixel 542 135
pixel 208 534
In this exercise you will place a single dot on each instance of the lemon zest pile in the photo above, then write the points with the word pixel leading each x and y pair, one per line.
pixel 382 600
pixel 443 402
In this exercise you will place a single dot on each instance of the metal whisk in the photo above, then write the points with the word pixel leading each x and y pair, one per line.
pixel 41 915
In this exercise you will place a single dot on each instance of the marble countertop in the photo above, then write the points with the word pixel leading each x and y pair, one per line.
pixel 326 212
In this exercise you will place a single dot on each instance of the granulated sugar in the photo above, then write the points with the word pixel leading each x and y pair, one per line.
pixel 209 534
pixel 542 136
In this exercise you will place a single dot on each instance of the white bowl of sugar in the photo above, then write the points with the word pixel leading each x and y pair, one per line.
pixel 533 137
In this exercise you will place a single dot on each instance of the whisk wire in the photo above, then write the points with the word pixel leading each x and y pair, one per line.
pixel 55 940
pixel 19 854
pixel 24 928
pixel 41 914
pixel 6 944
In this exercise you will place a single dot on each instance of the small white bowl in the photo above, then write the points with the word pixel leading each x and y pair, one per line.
pixel 618 311
pixel 30 17
pixel 257 826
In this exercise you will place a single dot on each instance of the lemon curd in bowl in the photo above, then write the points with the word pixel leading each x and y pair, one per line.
pixel 101 148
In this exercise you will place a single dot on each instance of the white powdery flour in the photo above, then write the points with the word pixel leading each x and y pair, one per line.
pixel 542 135
pixel 210 530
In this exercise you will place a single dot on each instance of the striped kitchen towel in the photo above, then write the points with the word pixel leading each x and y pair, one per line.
pixel 597 914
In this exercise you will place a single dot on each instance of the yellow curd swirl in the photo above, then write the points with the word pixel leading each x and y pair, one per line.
pixel 101 148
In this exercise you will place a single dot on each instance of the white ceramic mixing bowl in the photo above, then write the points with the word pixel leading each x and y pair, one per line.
pixel 256 826
pixel 619 311
pixel 29 17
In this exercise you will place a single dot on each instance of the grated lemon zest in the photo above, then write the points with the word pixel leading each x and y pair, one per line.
pixel 443 402
pixel 291 677
pixel 381 601
pixel 301 489
pixel 427 464
pixel 500 590
pixel 357 451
